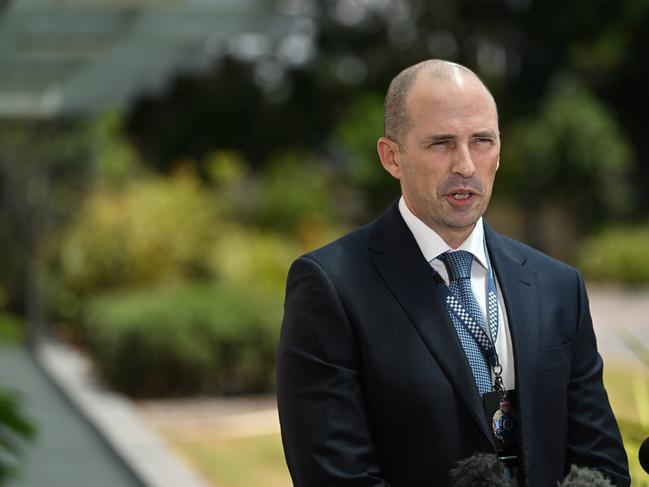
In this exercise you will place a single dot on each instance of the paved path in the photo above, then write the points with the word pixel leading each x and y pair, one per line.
pixel 618 312
pixel 88 436
pixel 67 451
pixel 221 418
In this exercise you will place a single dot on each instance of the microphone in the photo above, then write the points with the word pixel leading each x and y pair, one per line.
pixel 479 470
pixel 585 477
pixel 643 455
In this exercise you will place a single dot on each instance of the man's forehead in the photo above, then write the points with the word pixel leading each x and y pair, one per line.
pixel 467 98
pixel 456 83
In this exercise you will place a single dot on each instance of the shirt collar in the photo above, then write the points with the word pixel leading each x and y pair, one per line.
pixel 432 245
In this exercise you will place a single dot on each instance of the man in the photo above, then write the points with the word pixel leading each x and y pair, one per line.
pixel 407 343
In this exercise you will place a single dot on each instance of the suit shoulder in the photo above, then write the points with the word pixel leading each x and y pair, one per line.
pixel 535 258
pixel 343 251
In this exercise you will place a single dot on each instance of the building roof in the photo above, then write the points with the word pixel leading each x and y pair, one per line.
pixel 77 57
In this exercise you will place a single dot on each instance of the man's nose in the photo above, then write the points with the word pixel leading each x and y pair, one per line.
pixel 462 161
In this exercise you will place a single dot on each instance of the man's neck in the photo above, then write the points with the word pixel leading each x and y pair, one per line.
pixel 454 238
pixel 433 243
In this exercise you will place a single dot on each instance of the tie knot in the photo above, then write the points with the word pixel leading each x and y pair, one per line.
pixel 458 264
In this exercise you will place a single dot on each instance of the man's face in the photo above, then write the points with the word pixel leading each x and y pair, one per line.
pixel 450 154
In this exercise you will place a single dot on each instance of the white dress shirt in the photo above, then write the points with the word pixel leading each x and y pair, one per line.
pixel 432 246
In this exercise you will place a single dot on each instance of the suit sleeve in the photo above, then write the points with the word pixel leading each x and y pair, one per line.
pixel 325 428
pixel 593 436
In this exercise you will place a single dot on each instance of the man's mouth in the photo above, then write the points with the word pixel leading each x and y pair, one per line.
pixel 461 195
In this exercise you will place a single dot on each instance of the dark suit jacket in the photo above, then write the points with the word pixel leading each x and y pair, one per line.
pixel 374 388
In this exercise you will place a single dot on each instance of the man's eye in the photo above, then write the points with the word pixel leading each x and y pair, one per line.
pixel 440 143
pixel 484 140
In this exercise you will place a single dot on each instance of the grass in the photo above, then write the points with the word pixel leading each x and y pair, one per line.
pixel 259 460
pixel 628 390
pixel 235 462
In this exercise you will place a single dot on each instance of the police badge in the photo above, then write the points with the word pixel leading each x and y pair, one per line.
pixel 500 406
pixel 503 422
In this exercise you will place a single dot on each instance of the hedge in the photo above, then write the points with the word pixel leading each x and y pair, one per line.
pixel 619 255
pixel 190 339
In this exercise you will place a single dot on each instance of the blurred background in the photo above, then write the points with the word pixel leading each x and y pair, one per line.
pixel 162 162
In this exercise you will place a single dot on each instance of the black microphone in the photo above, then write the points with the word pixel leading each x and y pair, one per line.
pixel 479 470
pixel 643 455
pixel 585 477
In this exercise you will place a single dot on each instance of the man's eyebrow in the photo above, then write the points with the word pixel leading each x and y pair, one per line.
pixel 437 138
pixel 486 134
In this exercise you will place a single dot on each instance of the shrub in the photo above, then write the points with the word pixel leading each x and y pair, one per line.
pixel 157 230
pixel 571 156
pixel 175 285
pixel 354 139
pixel 253 259
pixel 185 340
pixel 153 231
pixel 292 192
pixel 617 255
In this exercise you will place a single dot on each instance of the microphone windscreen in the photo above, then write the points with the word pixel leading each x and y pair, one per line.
pixel 585 477
pixel 643 455
pixel 479 470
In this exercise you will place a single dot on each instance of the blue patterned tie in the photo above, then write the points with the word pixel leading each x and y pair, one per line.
pixel 458 265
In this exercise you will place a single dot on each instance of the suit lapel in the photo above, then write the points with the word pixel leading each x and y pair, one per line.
pixel 398 259
pixel 519 287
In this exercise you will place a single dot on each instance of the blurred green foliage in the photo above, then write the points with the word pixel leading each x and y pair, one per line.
pixel 354 139
pixel 116 161
pixel 355 136
pixel 155 230
pixel 571 99
pixel 151 231
pixel 294 190
pixel 574 150
pixel 619 254
pixel 253 259
pixel 570 155
pixel 174 283
pixel 43 171
pixel 186 339
pixel 12 329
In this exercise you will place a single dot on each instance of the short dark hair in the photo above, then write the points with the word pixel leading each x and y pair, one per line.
pixel 395 112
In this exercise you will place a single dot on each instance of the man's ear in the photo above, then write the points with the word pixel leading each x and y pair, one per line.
pixel 390 156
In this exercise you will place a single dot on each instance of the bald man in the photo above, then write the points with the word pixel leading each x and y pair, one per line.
pixel 426 337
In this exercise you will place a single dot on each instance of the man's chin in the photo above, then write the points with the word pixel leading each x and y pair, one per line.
pixel 464 223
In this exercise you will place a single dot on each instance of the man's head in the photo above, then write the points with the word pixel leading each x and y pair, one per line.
pixel 442 143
